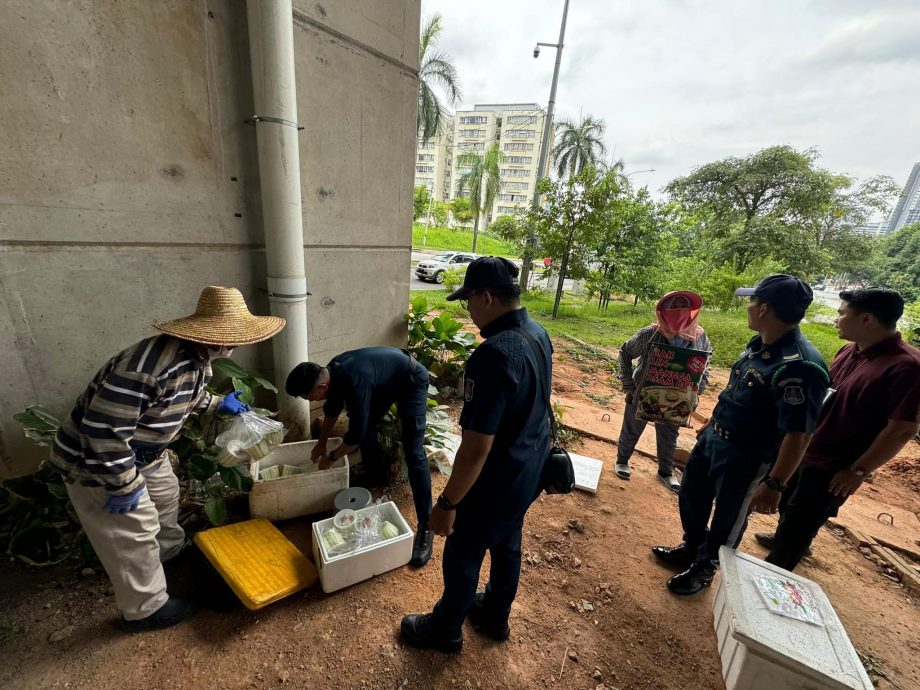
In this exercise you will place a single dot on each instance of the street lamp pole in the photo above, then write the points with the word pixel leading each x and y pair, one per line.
pixel 544 145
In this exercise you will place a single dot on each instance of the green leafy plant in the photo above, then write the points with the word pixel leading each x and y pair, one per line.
pixel 38 524
pixel 209 482
pixel 438 343
pixel 453 278
pixel 438 429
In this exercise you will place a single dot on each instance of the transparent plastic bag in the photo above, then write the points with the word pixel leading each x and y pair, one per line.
pixel 249 437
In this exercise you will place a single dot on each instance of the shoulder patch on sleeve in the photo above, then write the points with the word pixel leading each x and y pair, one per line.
pixel 468 386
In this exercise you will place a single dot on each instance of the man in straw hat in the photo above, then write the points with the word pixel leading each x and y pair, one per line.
pixel 111 449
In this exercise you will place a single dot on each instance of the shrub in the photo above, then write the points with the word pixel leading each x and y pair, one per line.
pixel 438 343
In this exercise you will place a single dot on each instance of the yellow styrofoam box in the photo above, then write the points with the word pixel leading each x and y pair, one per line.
pixel 258 563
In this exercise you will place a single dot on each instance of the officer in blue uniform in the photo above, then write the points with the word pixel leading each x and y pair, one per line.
pixel 496 473
pixel 366 382
pixel 766 414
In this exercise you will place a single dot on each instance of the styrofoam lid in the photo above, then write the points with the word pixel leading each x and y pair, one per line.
pixel 821 652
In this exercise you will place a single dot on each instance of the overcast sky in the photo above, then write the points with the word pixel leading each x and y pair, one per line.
pixel 684 82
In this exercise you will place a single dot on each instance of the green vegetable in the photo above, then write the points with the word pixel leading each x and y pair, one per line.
pixel 387 530
pixel 332 540
pixel 273 472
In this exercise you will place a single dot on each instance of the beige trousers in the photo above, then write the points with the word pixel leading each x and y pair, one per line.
pixel 133 546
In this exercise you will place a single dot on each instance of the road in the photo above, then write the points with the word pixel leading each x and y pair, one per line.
pixel 416 284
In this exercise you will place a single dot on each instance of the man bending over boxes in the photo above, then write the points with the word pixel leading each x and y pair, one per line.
pixel 366 383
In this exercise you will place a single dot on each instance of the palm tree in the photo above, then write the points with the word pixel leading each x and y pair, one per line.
pixel 616 167
pixel 579 145
pixel 435 68
pixel 483 181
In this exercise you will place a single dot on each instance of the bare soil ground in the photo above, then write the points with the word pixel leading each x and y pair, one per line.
pixel 592 610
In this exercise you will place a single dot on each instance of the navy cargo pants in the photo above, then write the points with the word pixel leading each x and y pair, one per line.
pixel 721 473
pixel 464 552
pixel 412 406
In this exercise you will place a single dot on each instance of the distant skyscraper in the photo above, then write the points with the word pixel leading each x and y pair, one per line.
pixel 908 208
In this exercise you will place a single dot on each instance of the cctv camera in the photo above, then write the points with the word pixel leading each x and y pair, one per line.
pixel 536 52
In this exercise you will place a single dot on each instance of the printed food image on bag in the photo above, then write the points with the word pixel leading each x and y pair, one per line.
pixel 669 391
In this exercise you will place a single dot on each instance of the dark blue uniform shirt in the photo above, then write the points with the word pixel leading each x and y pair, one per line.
pixel 502 398
pixel 772 390
pixel 365 382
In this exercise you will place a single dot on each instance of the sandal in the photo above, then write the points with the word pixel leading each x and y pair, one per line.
pixel 670 481
pixel 622 470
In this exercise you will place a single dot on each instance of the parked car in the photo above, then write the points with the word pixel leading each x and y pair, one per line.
pixel 433 269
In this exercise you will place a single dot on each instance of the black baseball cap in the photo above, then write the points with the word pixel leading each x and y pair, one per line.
pixel 486 272
pixel 782 292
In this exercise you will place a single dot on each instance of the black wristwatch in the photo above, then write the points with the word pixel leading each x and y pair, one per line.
pixel 445 504
pixel 859 472
pixel 774 484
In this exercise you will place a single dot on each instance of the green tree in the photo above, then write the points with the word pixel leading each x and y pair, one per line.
pixel 439 213
pixel 761 205
pixel 460 210
pixel 482 181
pixel 897 264
pixel 567 224
pixel 420 202
pixel 436 68
pixel 579 145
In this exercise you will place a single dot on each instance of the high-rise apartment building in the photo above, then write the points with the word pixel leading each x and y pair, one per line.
pixel 879 229
pixel 517 128
pixel 907 210
pixel 434 160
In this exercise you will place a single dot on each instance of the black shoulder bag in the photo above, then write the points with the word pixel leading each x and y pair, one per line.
pixel 558 472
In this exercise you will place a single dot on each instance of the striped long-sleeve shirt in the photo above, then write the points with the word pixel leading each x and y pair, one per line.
pixel 637 348
pixel 137 402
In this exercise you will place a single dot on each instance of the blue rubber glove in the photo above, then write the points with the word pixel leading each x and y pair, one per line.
pixel 231 404
pixel 120 505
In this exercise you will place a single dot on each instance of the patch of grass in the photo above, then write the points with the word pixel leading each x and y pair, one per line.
pixel 581 319
pixel 461 241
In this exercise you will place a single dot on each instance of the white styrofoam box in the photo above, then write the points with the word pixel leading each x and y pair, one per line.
pixel 299 494
pixel 336 572
pixel 762 650
pixel 587 472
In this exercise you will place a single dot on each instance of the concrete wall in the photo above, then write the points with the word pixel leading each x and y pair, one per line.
pixel 128 180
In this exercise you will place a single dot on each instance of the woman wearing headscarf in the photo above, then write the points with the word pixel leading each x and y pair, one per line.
pixel 676 324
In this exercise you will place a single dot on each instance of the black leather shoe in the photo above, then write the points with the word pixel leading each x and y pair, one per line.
pixel 421 547
pixel 698 576
pixel 485 623
pixel 418 632
pixel 768 540
pixel 174 611
pixel 680 556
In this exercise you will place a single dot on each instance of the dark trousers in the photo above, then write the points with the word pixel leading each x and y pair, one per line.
pixel 463 554
pixel 806 505
pixel 665 438
pixel 412 406
pixel 721 473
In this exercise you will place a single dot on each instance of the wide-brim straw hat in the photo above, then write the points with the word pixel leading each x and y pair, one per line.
pixel 222 318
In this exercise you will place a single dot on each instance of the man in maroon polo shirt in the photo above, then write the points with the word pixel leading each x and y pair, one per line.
pixel 872 412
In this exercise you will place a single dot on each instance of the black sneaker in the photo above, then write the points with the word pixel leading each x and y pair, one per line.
pixel 421 547
pixel 174 611
pixel 680 556
pixel 485 624
pixel 418 632
pixel 698 576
